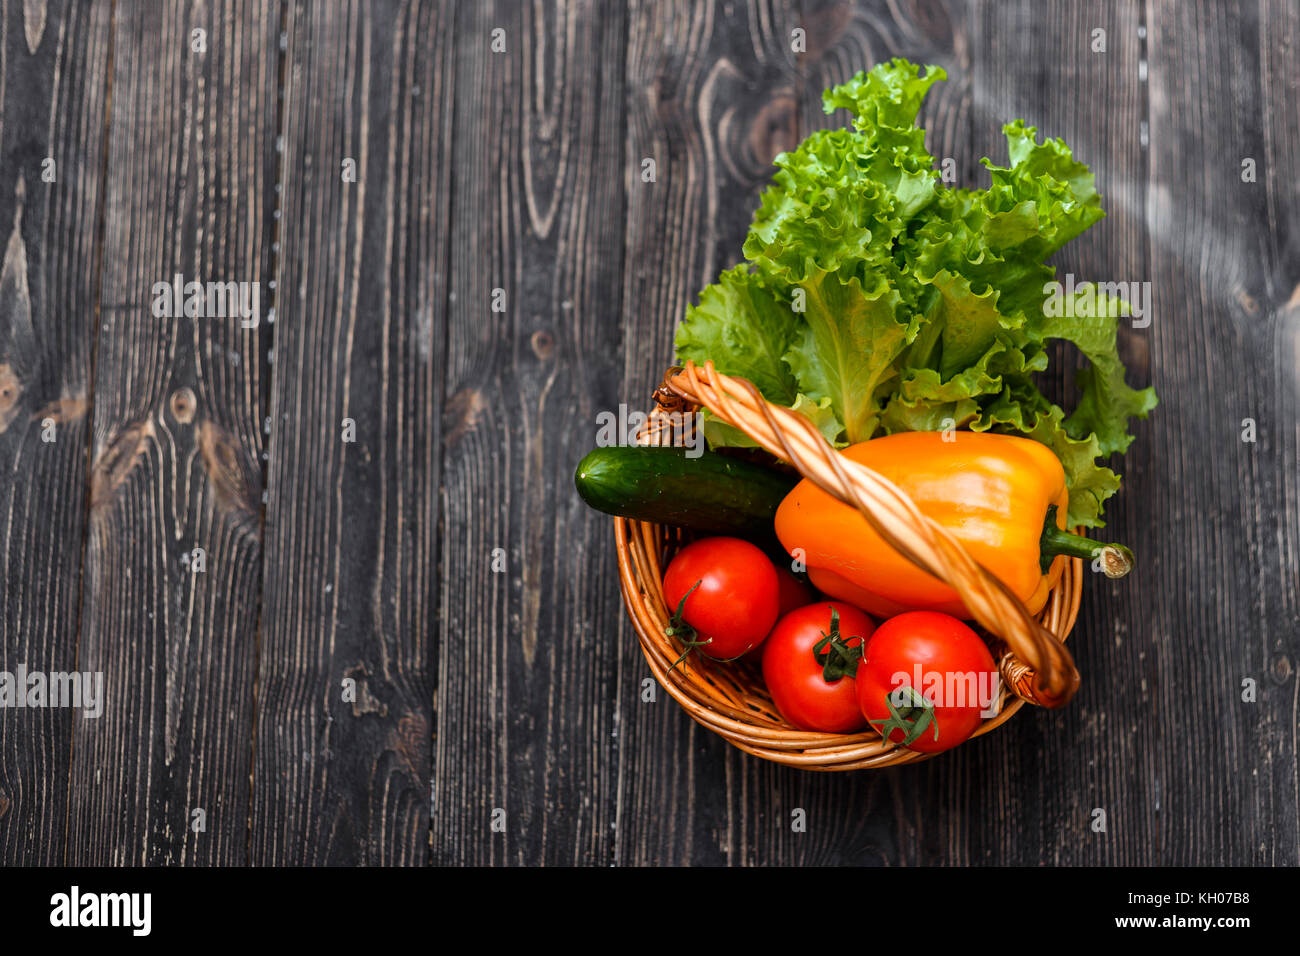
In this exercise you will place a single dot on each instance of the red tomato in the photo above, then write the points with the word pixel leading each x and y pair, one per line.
pixel 735 598
pixel 929 662
pixel 795 678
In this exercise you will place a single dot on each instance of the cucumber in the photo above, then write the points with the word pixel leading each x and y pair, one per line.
pixel 712 493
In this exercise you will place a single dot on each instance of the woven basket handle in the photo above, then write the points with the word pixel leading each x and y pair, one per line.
pixel 1050 679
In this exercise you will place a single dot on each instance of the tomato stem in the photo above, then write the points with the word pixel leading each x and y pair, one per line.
pixel 834 654
pixel 1116 560
pixel 912 722
pixel 678 628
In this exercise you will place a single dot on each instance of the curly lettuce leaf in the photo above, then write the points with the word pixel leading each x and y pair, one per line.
pixel 1106 401
pixel 1044 183
pixel 846 352
pixel 875 299
pixel 744 330
pixel 925 401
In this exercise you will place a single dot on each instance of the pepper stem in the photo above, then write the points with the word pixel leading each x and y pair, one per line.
pixel 1116 560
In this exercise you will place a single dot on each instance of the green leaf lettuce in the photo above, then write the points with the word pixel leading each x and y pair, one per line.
pixel 875 299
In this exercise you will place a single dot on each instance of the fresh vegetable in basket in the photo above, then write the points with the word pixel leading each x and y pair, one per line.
pixel 712 493
pixel 1003 497
pixel 726 595
pixel 874 299
pixel 926 680
pixel 809 663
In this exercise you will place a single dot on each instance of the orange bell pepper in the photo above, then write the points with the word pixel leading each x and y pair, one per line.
pixel 1003 497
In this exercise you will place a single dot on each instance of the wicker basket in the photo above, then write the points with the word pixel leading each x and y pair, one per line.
pixel 730 698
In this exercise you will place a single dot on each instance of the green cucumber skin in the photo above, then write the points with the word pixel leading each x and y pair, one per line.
pixel 711 493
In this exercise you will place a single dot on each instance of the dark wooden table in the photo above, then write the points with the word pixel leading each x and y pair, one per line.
pixel 133 149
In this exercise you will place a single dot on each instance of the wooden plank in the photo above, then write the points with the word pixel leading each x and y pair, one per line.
pixel 713 96
pixel 54 61
pixel 915 814
pixel 178 410
pixel 342 775
pixel 1221 607
pixel 1042 776
pixel 1276 509
pixel 528 713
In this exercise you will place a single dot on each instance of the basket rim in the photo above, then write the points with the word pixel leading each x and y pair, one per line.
pixel 697 683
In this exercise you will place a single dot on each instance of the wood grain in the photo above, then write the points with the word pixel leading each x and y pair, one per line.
pixel 1276 799
pixel 1040 781
pixel 1224 265
pixel 370 563
pixel 528 712
pixel 351 523
pixel 912 814
pixel 178 406
pixel 713 97
pixel 53 74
